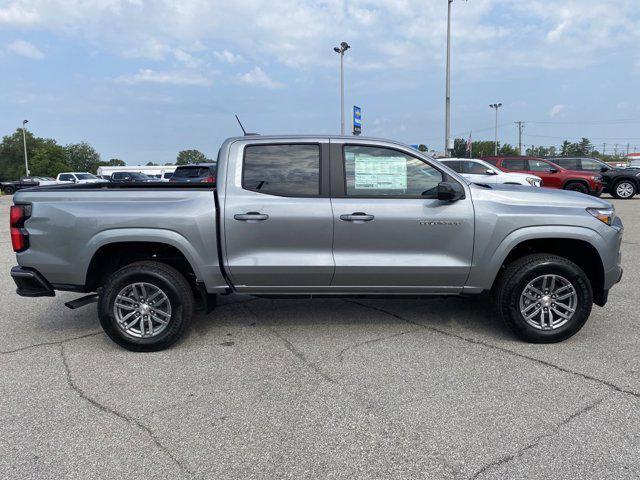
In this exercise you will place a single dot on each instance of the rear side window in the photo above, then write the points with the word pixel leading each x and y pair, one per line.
pixel 474 168
pixel 285 170
pixel 514 164
pixel 66 178
pixel 454 165
pixel 569 163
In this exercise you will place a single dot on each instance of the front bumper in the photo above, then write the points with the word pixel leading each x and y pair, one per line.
pixel 31 283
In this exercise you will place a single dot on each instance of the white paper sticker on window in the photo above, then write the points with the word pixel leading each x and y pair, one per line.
pixel 380 173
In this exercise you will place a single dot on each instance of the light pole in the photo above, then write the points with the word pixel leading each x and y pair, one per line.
pixel 24 141
pixel 447 103
pixel 344 46
pixel 496 106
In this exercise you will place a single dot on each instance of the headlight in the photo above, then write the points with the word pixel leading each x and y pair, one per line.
pixel 597 178
pixel 605 215
pixel 533 181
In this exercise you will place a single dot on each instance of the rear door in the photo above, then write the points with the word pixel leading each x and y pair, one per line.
pixel 278 222
pixel 391 233
pixel 476 172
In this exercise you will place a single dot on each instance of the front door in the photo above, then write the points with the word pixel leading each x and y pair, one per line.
pixel 548 173
pixel 390 230
pixel 278 225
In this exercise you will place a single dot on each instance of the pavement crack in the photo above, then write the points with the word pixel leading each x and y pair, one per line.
pixel 130 420
pixel 373 340
pixel 585 376
pixel 57 342
pixel 537 441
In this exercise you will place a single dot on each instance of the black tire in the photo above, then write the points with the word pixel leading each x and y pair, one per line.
pixel 164 277
pixel 577 187
pixel 512 283
pixel 624 193
pixel 8 190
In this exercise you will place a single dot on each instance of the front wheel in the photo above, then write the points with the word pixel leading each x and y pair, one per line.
pixel 9 190
pixel 577 187
pixel 624 190
pixel 544 298
pixel 145 306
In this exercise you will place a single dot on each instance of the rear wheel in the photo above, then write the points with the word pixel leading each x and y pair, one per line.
pixel 544 298
pixel 624 189
pixel 577 187
pixel 145 306
pixel 9 190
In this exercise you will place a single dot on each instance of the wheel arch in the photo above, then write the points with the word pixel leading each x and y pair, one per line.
pixel 576 180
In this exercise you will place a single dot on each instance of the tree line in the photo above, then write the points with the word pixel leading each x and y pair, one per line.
pixel 485 148
pixel 47 158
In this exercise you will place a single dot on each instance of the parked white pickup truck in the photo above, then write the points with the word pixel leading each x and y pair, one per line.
pixel 479 171
pixel 79 177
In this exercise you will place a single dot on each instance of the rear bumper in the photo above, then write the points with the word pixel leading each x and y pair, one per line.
pixel 31 283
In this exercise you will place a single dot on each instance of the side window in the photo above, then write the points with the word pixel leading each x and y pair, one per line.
pixel 570 163
pixel 376 171
pixel 474 168
pixel 514 164
pixel 538 166
pixel 118 176
pixel 285 170
pixel 590 165
pixel 454 165
pixel 66 178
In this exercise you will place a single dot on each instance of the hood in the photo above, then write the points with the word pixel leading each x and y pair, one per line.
pixel 524 195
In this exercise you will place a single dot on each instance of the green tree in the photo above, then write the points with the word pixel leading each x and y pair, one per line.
pixel 48 160
pixel 422 147
pixel 82 157
pixel 186 157
pixel 12 154
pixel 151 164
pixel 115 162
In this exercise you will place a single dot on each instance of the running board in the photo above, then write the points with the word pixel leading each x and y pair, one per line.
pixel 82 301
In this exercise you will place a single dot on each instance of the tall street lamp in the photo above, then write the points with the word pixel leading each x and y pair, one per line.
pixel 24 141
pixel 344 46
pixel 447 121
pixel 496 106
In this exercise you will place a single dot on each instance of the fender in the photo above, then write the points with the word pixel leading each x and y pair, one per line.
pixel 486 267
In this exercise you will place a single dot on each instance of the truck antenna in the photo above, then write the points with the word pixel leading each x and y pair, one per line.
pixel 243 130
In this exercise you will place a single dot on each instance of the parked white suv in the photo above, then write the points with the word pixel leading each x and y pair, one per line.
pixel 479 171
pixel 79 177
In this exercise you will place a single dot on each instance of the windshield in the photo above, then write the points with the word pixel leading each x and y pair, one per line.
pixel 139 176
pixel 191 172
pixel 86 176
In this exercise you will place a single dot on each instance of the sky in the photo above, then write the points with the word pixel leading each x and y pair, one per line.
pixel 141 80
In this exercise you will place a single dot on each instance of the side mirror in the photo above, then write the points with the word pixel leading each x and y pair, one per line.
pixel 604 169
pixel 553 170
pixel 488 171
pixel 450 191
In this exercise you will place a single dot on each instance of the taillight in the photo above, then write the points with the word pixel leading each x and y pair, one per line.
pixel 19 236
pixel 208 180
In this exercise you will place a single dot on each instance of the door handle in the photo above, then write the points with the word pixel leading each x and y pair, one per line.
pixel 357 217
pixel 251 217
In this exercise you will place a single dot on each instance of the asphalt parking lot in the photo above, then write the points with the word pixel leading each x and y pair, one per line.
pixel 434 388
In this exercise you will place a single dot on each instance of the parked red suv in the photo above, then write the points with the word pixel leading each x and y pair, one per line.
pixel 553 176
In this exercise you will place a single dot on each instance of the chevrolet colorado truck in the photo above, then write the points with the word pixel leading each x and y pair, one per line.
pixel 315 216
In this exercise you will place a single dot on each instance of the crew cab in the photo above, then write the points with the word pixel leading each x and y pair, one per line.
pixel 479 171
pixel 552 175
pixel 622 183
pixel 315 216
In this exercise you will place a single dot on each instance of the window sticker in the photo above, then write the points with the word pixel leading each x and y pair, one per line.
pixel 380 173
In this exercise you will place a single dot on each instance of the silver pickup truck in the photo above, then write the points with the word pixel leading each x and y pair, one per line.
pixel 316 216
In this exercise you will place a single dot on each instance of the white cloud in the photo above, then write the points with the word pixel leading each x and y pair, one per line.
pixel 170 77
pixel 258 78
pixel 15 14
pixel 227 56
pixel 186 59
pixel 557 111
pixel 25 49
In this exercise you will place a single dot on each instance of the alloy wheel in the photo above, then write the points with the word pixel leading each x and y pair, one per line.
pixel 142 310
pixel 548 302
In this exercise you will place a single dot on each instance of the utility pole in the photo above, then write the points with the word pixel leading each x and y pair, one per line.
pixel 627 149
pixel 615 150
pixel 520 126
pixel 24 141
pixel 496 106
pixel 447 106
pixel 344 46
pixel 604 148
